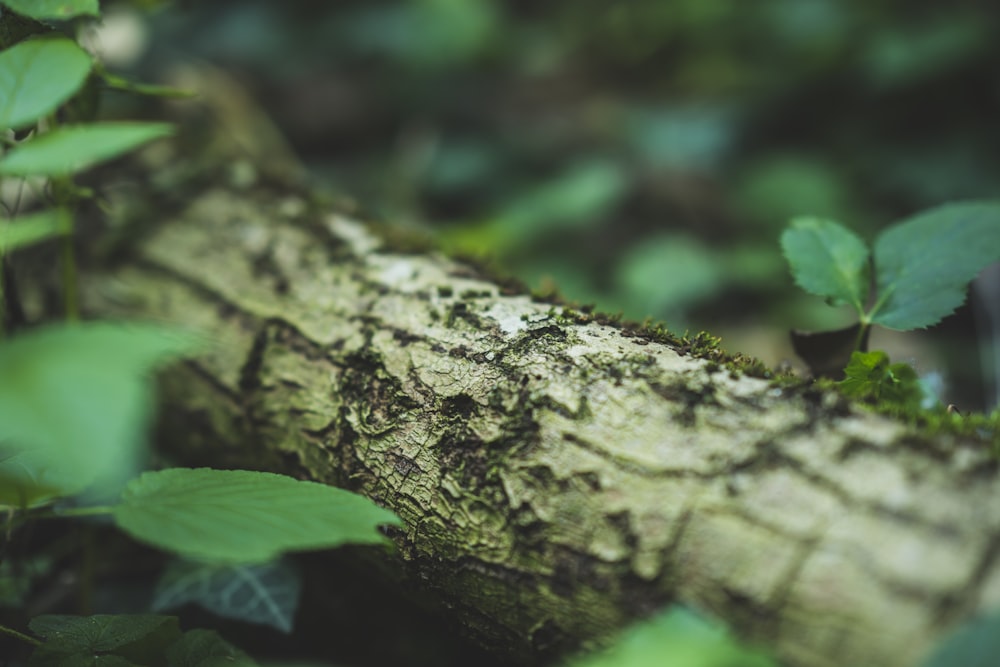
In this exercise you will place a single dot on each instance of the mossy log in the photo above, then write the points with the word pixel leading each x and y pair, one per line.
pixel 557 476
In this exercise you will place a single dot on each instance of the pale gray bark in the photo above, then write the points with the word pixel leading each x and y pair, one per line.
pixel 556 476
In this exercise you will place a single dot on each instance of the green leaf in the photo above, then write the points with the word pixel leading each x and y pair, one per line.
pixel 73 148
pixel 54 9
pixel 870 376
pixel 74 403
pixel 264 593
pixel 666 273
pixel 925 263
pixel 30 229
pixel 239 516
pixel 674 638
pixel 205 648
pixel 975 644
pixel 105 640
pixel 828 260
pixel 38 75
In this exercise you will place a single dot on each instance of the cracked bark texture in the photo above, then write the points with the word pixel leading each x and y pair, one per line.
pixel 556 477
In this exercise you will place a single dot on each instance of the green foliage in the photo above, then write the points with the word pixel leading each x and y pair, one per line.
pixel 29 229
pixel 38 75
pixel 134 640
pixel 674 638
pixel 264 593
pixel 240 516
pixel 53 9
pixel 70 149
pixel 870 377
pixel 828 260
pixel 74 404
pixel 922 265
pixel 975 644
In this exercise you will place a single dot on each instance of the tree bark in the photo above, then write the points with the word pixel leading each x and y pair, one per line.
pixel 557 476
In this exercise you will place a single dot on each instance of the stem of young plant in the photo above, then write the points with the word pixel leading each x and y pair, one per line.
pixel 20 635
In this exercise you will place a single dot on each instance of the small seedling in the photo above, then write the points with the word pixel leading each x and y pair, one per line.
pixel 921 268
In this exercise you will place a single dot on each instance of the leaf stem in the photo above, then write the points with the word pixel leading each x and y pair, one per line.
pixel 96 510
pixel 20 635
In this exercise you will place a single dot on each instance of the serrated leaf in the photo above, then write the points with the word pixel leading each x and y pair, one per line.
pixel 828 260
pixel 73 148
pixel 264 593
pixel 869 375
pixel 105 640
pixel 37 76
pixel 27 230
pixel 54 9
pixel 239 516
pixel 975 644
pixel 674 638
pixel 75 400
pixel 925 263
pixel 205 648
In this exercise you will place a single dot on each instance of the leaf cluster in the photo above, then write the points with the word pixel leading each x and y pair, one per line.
pixel 76 401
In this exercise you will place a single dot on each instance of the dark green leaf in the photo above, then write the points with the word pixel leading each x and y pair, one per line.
pixel 205 648
pixel 242 516
pixel 27 230
pixel 264 593
pixel 74 402
pixel 73 148
pixel 870 376
pixel 925 263
pixel 828 260
pixel 105 640
pixel 975 644
pixel 38 75
pixel 54 9
pixel 674 638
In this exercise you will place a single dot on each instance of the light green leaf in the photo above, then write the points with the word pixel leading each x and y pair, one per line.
pixel 205 648
pixel 828 260
pixel 54 9
pixel 119 640
pixel 925 263
pixel 674 638
pixel 73 148
pixel 264 593
pixel 975 644
pixel 74 403
pixel 27 230
pixel 38 75
pixel 239 516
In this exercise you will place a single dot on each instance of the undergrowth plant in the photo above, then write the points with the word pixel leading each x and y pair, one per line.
pixel 75 398
pixel 916 275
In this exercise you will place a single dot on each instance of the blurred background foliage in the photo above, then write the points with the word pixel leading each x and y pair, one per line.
pixel 643 155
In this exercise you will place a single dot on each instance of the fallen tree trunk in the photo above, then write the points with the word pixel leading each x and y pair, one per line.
pixel 557 475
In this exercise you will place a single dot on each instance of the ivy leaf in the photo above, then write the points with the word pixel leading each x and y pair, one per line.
pixel 74 401
pixel 106 640
pixel 239 516
pixel 975 644
pixel 924 264
pixel 828 260
pixel 37 76
pixel 70 149
pixel 27 230
pixel 54 9
pixel 264 593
